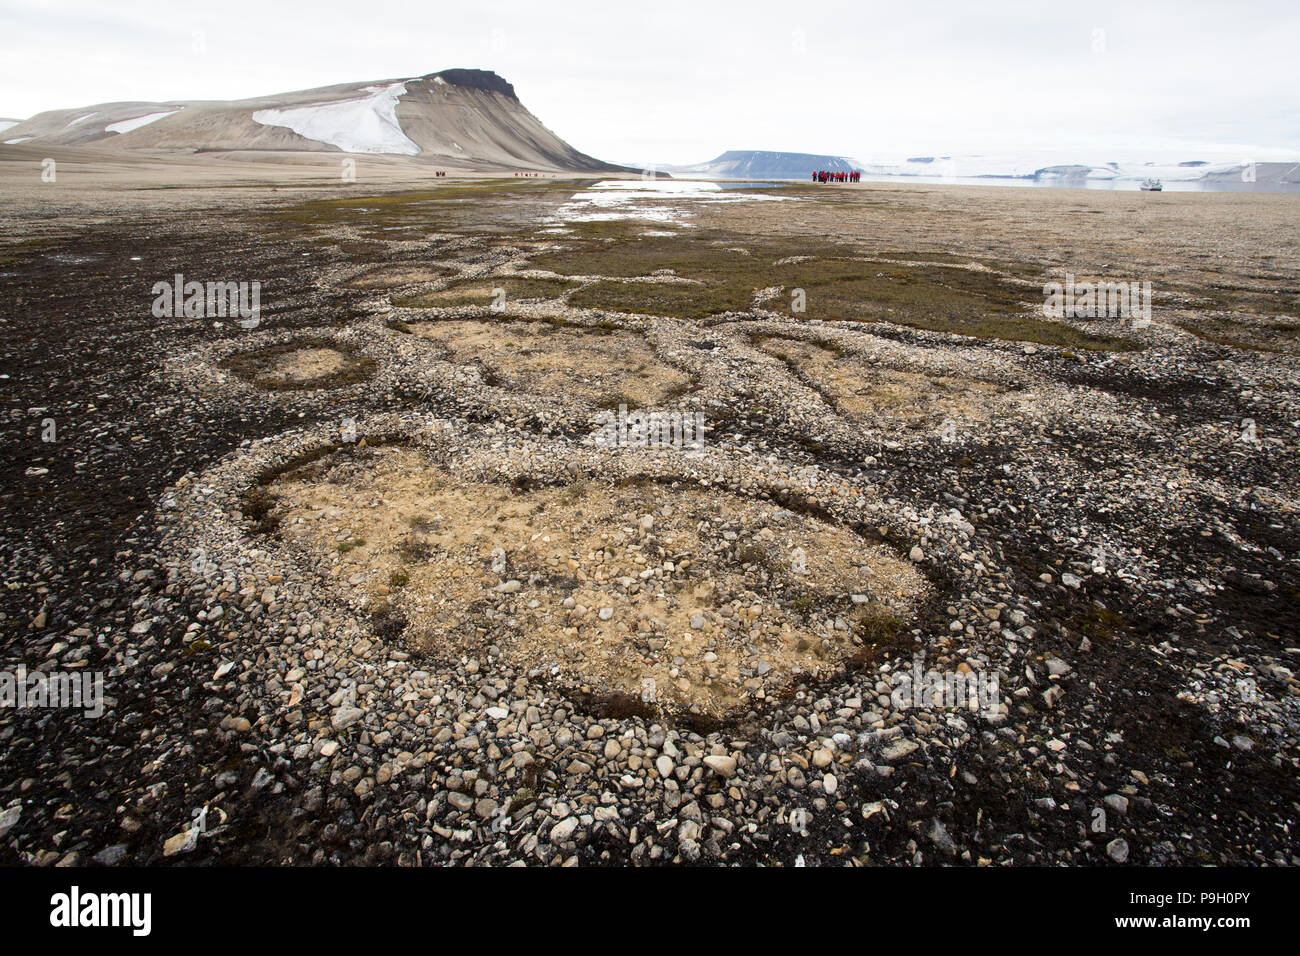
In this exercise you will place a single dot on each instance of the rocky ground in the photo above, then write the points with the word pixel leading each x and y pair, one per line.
pixel 1107 525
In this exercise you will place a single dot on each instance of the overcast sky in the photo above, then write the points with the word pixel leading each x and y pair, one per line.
pixel 669 82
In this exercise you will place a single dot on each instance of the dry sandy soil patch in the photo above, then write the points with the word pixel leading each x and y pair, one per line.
pixel 678 596
pixel 598 367
pixel 303 364
pixel 398 274
pixel 865 391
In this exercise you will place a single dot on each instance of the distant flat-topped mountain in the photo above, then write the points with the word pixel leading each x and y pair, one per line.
pixel 459 118
pixel 763 164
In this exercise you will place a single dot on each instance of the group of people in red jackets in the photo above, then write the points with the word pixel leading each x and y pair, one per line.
pixel 826 176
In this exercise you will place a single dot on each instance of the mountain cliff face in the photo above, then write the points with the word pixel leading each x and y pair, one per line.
pixel 458 118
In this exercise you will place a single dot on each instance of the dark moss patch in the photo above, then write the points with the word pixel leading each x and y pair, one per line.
pixel 411 214
pixel 1245 331
pixel 880 629
pixel 22 249
pixel 612 706
pixel 714 258
pixel 1281 299
pixel 1099 624
pixel 258 508
pixel 913 255
pixel 727 271
pixel 386 622
pixel 413 549
pixel 604 229
pixel 659 298
pixel 837 286
pixel 767 342
pixel 939 298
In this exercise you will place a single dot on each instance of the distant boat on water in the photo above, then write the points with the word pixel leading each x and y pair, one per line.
pixel 1151 185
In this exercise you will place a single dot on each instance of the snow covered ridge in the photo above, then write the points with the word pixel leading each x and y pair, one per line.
pixel 126 126
pixel 365 125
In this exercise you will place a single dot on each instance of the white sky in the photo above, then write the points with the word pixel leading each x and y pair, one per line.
pixel 670 82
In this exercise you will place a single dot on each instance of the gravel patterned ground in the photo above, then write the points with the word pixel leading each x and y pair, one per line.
pixel 1110 536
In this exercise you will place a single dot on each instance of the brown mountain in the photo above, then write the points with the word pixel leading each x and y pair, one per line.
pixel 466 119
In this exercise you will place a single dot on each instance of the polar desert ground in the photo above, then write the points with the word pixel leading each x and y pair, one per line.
pixel 525 508
pixel 366 586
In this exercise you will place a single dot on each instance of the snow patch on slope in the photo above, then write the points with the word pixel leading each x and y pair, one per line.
pixel 81 119
pixel 126 126
pixel 365 125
